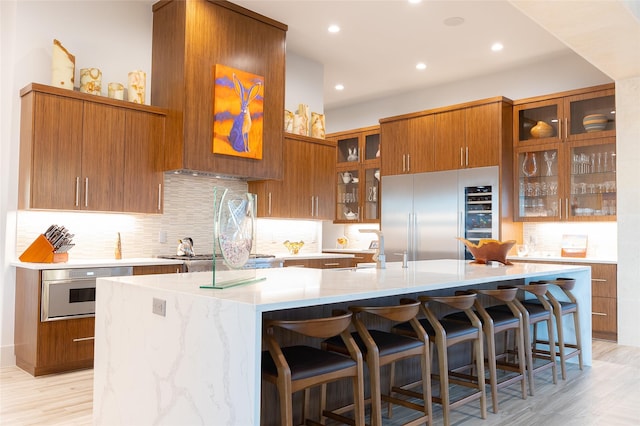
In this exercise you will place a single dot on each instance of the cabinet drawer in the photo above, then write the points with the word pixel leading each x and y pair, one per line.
pixel 603 280
pixel 65 345
pixel 604 318
pixel 362 258
pixel 342 262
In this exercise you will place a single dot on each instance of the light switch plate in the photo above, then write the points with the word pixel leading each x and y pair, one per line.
pixel 159 307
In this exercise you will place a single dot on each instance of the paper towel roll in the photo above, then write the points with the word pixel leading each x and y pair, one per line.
pixel 136 89
pixel 63 66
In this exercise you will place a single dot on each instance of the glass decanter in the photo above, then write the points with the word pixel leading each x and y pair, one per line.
pixel 529 164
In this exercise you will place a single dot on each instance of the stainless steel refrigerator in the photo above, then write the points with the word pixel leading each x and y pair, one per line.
pixel 423 213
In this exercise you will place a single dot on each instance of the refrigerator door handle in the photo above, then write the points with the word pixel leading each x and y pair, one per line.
pixel 409 245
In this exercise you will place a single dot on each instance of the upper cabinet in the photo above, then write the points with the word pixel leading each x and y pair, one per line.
pixel 565 117
pixel 305 192
pixel 189 39
pixel 87 152
pixel 357 175
pixel 565 156
pixel 474 134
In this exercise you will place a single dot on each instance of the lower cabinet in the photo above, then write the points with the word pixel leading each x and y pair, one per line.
pixel 604 299
pixel 334 262
pixel 358 257
pixel 46 347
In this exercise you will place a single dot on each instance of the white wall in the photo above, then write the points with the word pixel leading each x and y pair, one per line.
pixel 304 83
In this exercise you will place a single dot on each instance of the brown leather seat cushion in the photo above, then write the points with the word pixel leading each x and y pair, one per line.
pixel 307 361
pixel 536 310
pixel 499 317
pixel 387 343
pixel 451 327
pixel 566 306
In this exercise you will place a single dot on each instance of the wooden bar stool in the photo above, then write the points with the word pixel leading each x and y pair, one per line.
pixel 444 333
pixel 495 321
pixel 534 312
pixel 301 367
pixel 561 308
pixel 382 348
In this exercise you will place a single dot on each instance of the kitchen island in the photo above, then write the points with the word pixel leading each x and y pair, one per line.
pixel 197 359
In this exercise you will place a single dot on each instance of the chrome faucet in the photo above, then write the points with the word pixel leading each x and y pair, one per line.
pixel 379 255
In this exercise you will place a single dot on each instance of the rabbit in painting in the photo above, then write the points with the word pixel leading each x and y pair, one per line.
pixel 353 154
pixel 239 134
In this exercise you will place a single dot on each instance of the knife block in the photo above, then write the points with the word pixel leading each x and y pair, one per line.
pixel 41 251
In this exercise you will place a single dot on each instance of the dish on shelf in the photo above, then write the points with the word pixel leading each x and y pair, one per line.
pixel 595 122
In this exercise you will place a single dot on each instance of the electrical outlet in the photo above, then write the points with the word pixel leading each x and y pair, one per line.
pixel 162 237
pixel 159 307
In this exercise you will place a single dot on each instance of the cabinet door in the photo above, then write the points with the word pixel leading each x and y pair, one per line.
pixel 482 136
pixel 538 122
pixel 540 184
pixel 421 139
pixel 56 155
pixel 449 139
pixel 65 344
pixel 592 107
pixel 394 148
pixel 322 159
pixel 143 162
pixel 102 157
pixel 297 178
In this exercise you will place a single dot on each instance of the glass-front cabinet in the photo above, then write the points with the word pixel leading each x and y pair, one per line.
pixel 580 115
pixel 357 175
pixel 565 156
pixel 574 181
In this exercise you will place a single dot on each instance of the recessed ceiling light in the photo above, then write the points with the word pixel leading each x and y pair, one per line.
pixel 454 21
pixel 339 87
pixel 496 47
pixel 333 29
pixel 421 66
pixel 415 1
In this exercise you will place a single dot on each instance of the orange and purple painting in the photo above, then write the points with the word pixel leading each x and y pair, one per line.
pixel 237 112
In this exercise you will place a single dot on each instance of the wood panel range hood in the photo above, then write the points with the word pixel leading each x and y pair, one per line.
pixel 189 38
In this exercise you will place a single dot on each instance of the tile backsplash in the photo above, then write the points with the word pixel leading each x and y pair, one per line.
pixel 545 239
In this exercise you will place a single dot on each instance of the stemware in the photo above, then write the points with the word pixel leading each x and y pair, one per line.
pixel 549 157
pixel 529 164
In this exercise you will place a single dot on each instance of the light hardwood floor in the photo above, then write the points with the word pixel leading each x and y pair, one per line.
pixel 608 393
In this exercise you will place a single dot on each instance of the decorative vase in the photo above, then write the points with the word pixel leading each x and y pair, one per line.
pixel 136 88
pixel 63 66
pixel 91 81
pixel 595 122
pixel 234 227
pixel 529 164
pixel 541 130
pixel 116 91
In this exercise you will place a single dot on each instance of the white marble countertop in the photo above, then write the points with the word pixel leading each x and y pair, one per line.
pixel 560 259
pixel 97 263
pixel 288 256
pixel 285 288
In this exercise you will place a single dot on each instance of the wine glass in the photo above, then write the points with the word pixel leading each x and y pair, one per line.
pixel 549 157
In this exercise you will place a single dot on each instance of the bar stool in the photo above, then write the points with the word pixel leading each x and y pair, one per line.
pixel 301 367
pixel 382 348
pixel 561 308
pixel 495 321
pixel 444 333
pixel 534 312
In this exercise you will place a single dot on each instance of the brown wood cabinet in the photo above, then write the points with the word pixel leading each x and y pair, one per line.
pixel 604 298
pixel 86 152
pixel 565 173
pixel 189 39
pixel 473 134
pixel 357 175
pixel 51 346
pixel 306 191
pixel 358 257
pixel 157 269
pixel 337 262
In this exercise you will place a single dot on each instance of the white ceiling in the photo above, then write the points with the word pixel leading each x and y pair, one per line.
pixel 381 41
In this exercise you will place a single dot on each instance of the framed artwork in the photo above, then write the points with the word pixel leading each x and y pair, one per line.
pixel 238 115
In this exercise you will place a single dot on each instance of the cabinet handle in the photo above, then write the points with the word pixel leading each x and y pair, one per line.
pixel 77 191
pixel 559 128
pixel 86 192
pixel 403 167
pixel 408 162
pixel 598 280
pixel 466 156
pixel 332 264
pixel 600 314
pixel 461 163
pixel 83 339
pixel 269 205
pixel 312 205
pixel 159 196
pixel 317 206
pixel 566 128
pixel 566 208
